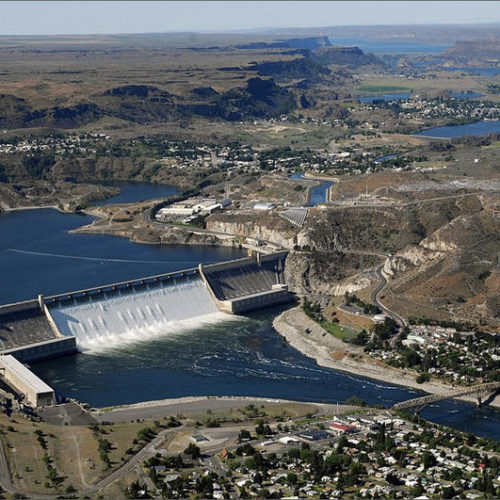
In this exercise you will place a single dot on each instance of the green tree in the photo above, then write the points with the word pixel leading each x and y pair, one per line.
pixel 244 435
pixel 193 451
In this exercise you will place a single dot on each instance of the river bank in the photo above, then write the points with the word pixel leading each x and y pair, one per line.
pixel 146 233
pixel 190 404
pixel 333 353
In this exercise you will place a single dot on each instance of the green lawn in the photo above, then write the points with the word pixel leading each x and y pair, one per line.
pixel 338 332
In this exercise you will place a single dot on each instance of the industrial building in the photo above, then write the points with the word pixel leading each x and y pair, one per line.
pixel 264 207
pixel 34 390
pixel 192 207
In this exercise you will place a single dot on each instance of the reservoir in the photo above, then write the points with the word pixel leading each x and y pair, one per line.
pixel 240 355
pixel 476 129
pixel 475 71
pixel 383 97
pixel 39 255
pixel 137 191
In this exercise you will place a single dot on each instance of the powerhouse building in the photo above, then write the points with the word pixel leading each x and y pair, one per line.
pixel 35 391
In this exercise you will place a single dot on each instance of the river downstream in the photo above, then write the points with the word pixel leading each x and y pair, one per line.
pixel 239 356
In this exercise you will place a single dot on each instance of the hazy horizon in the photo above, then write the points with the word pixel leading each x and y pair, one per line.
pixel 109 18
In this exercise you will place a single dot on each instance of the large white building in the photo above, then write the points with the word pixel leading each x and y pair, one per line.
pixel 36 392
pixel 262 206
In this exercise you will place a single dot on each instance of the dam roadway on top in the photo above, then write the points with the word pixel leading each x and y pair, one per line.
pixel 141 308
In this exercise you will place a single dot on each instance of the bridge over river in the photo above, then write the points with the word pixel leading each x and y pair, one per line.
pixel 480 391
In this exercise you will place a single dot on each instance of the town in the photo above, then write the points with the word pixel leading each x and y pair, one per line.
pixel 367 454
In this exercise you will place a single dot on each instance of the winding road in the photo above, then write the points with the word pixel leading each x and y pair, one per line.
pixel 382 284
pixel 374 297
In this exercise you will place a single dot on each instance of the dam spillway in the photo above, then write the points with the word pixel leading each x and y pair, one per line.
pixel 140 309
pixel 110 318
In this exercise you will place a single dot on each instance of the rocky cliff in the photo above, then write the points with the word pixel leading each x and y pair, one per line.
pixel 321 275
pixel 263 226
pixel 455 269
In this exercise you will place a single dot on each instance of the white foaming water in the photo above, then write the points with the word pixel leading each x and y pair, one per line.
pixel 109 320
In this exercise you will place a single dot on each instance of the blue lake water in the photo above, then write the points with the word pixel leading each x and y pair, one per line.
pixel 39 255
pixel 240 356
pixel 318 193
pixel 476 129
pixel 384 97
pixel 466 95
pixel 137 191
pixel 475 71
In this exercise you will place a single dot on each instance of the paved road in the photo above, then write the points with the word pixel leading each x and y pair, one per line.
pixel 5 479
pixel 164 225
pixel 382 283
pixel 129 465
pixel 374 297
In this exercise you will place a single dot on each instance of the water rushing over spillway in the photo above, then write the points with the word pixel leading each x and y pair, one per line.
pixel 112 318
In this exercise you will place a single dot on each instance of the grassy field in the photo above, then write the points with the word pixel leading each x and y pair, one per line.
pixel 446 81
pixel 339 332
pixel 72 451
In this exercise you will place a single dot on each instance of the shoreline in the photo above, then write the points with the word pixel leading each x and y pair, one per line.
pixel 36 207
pixel 188 404
pixel 195 399
pixel 332 353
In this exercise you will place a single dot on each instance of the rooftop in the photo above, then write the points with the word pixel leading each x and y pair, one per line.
pixel 10 363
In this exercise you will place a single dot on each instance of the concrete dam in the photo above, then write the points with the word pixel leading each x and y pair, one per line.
pixel 140 309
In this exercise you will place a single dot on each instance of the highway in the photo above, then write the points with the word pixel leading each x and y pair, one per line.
pixel 131 464
pixel 375 294
pixel 382 284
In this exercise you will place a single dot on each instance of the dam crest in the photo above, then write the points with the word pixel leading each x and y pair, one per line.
pixel 141 309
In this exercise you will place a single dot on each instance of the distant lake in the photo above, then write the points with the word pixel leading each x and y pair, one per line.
pixel 476 129
pixel 390 47
pixel 466 95
pixel 383 97
pixel 131 192
pixel 476 71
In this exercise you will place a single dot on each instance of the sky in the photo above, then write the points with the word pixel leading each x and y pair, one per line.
pixel 73 17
